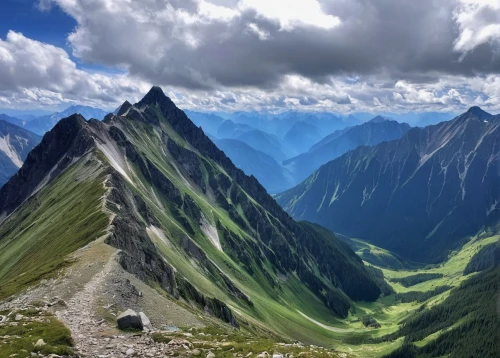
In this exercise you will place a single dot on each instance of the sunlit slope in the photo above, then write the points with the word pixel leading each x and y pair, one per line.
pixel 67 214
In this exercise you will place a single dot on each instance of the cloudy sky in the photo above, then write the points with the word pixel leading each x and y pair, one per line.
pixel 322 55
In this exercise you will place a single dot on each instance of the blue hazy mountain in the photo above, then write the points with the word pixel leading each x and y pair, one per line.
pixel 43 124
pixel 419 196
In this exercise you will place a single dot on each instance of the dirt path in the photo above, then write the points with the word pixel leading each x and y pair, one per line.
pixel 330 328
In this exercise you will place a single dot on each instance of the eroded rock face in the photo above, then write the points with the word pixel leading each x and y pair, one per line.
pixel 130 320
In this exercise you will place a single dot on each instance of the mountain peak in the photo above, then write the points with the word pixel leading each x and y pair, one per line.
pixel 154 96
pixel 378 119
pixel 479 113
pixel 123 108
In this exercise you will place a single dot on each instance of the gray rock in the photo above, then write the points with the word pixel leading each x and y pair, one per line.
pixel 145 320
pixel 18 317
pixel 129 320
pixel 196 352
pixel 210 355
pixel 130 352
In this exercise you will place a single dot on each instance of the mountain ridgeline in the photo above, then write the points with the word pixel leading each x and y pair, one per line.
pixel 419 196
pixel 334 145
pixel 184 217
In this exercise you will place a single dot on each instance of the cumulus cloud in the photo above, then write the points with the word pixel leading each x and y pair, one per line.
pixel 479 23
pixel 336 55
pixel 291 14
pixel 36 72
pixel 199 44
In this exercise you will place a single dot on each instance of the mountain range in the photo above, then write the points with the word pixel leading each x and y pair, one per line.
pixel 15 145
pixel 40 125
pixel 12 120
pixel 299 151
pixel 373 132
pixel 420 196
pixel 149 187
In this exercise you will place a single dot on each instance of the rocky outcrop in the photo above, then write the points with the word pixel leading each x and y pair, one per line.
pixel 140 256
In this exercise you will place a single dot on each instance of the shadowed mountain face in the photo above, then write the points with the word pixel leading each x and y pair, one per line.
pixel 339 142
pixel 418 196
pixel 271 174
pixel 15 144
pixel 12 120
pixel 302 136
pixel 184 217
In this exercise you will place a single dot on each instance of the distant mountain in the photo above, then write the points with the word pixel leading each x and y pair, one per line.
pixel 329 138
pixel 229 129
pixel 418 196
pixel 13 120
pixel 415 119
pixel 271 174
pixel 302 136
pixel 279 124
pixel 209 122
pixel 333 146
pixel 25 115
pixel 267 143
pixel 15 144
pixel 42 124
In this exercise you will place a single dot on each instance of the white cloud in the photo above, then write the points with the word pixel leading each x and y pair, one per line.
pixel 291 14
pixel 36 72
pixel 261 34
pixel 325 55
pixel 479 23
pixel 212 11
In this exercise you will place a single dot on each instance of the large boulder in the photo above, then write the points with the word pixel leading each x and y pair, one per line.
pixel 129 320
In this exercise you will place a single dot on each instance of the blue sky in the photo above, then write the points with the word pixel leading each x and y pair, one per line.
pixel 47 26
pixel 226 55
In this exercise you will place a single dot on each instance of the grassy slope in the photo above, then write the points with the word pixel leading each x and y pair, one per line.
pixel 19 340
pixel 38 237
pixel 278 309
pixel 275 311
